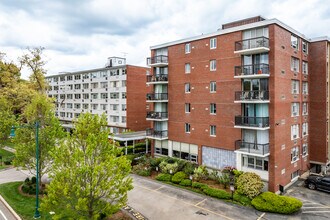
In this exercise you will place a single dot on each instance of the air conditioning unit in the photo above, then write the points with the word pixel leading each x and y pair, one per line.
pixel 294 69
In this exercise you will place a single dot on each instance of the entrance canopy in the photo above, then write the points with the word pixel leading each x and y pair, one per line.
pixel 132 136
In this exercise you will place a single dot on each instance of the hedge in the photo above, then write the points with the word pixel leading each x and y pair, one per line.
pixel 164 177
pixel 178 177
pixel 242 199
pixel 271 202
pixel 199 185
pixel 185 182
pixel 217 193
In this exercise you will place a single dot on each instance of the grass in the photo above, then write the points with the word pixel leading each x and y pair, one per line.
pixel 7 143
pixel 5 153
pixel 23 205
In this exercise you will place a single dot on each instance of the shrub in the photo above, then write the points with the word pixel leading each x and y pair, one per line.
pixel 142 169
pixel 270 202
pixel 164 177
pixel 167 167
pixel 185 182
pixel 249 184
pixel 189 168
pixel 199 185
pixel 224 179
pixel 178 177
pixel 244 200
pixel 33 180
pixel 7 162
pixel 171 160
pixel 154 162
pixel 27 180
pixel 217 193
pixel 181 164
pixel 200 173
pixel 25 188
pixel 146 172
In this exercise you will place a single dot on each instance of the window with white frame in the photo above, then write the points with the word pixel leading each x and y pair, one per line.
pixel 104 95
pixel 123 119
pixel 294 64
pixel 187 107
pixel 104 85
pixel 77 86
pixel 295 86
pixel 104 107
pixel 187 127
pixel 304 87
pixel 255 162
pixel 213 65
pixel 85 96
pixel 295 109
pixel 304 108
pixel 187 87
pixel 187 48
pixel 85 86
pixel 123 95
pixel 69 96
pixel 294 131
pixel 213 130
pixel 94 95
pixel 294 42
pixel 305 47
pixel 69 105
pixel 94 85
pixel 77 106
pixel 123 107
pixel 77 96
pixel 77 77
pixel 213 43
pixel 114 107
pixel 95 106
pixel 213 86
pixel 304 149
pixel 69 78
pixel 85 106
pixel 114 95
pixel 294 154
pixel 123 83
pixel 213 108
pixel 295 174
pixel 187 68
pixel 304 129
pixel 305 68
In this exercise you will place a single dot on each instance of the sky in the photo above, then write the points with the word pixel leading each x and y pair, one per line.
pixel 82 34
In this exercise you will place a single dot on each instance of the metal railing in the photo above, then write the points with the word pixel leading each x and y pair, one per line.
pixel 260 122
pixel 155 133
pixel 261 149
pixel 157 78
pixel 157 59
pixel 157 96
pixel 157 115
pixel 252 43
pixel 255 95
pixel 255 69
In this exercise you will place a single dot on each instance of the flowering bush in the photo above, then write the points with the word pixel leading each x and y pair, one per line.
pixel 249 184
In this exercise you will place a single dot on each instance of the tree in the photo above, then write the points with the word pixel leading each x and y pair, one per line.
pixel 7 119
pixel 88 178
pixel 40 109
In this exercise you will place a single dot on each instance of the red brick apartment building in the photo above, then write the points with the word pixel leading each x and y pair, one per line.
pixel 253 95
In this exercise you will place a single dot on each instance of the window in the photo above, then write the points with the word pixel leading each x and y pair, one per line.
pixel 77 96
pixel 304 149
pixel 85 106
pixel 69 105
pixel 62 78
pixel 294 42
pixel 94 95
pixel 123 95
pixel 295 174
pixel 94 85
pixel 187 127
pixel 62 96
pixel 213 43
pixel 305 47
pixel 69 96
pixel 213 108
pixel 294 64
pixel 104 95
pixel 86 76
pixel 305 108
pixel 77 77
pixel 95 106
pixel 305 129
pixel 123 107
pixel 295 86
pixel 55 79
pixel 103 106
pixel 114 84
pixel 187 68
pixel 187 48
pixel 114 95
pixel 104 85
pixel 77 106
pixel 305 88
pixel 213 130
pixel 294 154
pixel 114 107
pixel 295 109
pixel 104 74
pixel 69 78
pixel 55 88
pixel 187 107
pixel 187 87
pixel 213 86
pixel 213 65
pixel 255 162
pixel 77 86
pixel 123 83
pixel 114 118
pixel 85 86
pixel 305 67
pixel 294 132
pixel 123 119
pixel 85 96
pixel 123 72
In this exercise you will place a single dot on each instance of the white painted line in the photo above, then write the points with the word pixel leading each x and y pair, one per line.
pixel 10 208
pixel 201 202
pixel 261 216
pixel 320 207
pixel 316 211
pixel 3 215
pixel 159 188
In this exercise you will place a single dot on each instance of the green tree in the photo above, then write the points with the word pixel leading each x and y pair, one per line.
pixel 40 109
pixel 7 119
pixel 88 179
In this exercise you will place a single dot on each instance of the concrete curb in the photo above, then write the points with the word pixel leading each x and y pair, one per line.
pixel 10 208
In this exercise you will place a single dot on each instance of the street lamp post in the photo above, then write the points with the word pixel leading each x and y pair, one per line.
pixel 12 134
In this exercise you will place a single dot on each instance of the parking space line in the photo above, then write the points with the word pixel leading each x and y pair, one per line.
pixel 159 188
pixel 3 215
pixel 200 202
pixel 316 211
pixel 319 207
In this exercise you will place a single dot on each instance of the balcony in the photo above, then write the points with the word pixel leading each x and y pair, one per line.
pixel 157 79
pixel 252 46
pixel 252 148
pixel 255 96
pixel 157 116
pixel 157 97
pixel 157 61
pixel 256 123
pixel 252 71
pixel 155 134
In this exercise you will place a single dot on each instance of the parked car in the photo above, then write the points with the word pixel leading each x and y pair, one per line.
pixel 318 182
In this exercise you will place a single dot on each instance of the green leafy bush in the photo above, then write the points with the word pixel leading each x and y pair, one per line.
pixel 167 167
pixel 189 168
pixel 201 173
pixel 178 177
pixel 171 160
pixel 244 200
pixel 198 185
pixel 142 169
pixel 270 202
pixel 182 164
pixel 144 172
pixel 214 175
pixel 217 193
pixel 164 177
pixel 249 184
pixel 185 182
pixel 224 180
pixel 154 162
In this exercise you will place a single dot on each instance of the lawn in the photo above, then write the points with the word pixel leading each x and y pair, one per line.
pixel 6 155
pixel 23 205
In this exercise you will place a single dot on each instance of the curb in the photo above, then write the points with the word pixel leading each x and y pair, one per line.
pixel 133 213
pixel 10 208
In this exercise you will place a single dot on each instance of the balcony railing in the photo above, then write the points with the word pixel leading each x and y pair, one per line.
pixel 252 148
pixel 252 43
pixel 157 115
pixel 252 70
pixel 159 59
pixel 157 96
pixel 155 133
pixel 258 122
pixel 255 95
pixel 157 78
